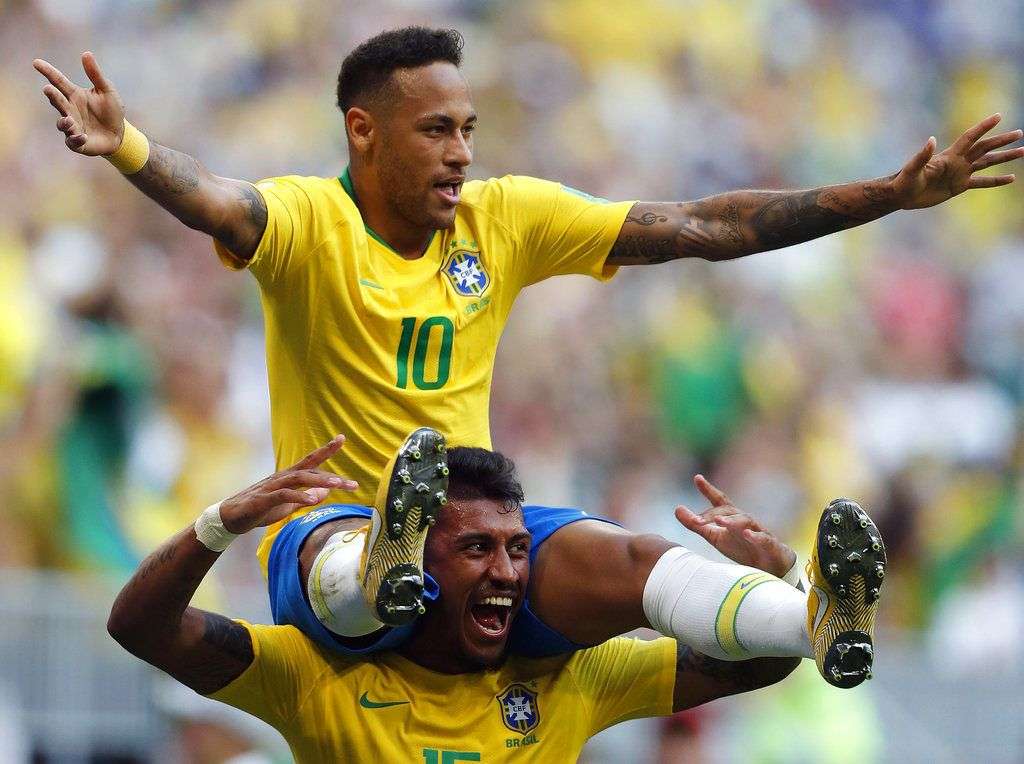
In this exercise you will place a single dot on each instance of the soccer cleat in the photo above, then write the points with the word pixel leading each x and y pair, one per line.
pixel 413 487
pixel 846 570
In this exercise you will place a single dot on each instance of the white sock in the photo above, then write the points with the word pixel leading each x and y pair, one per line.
pixel 334 590
pixel 724 610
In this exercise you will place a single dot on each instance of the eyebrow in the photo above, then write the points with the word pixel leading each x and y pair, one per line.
pixel 445 118
pixel 474 536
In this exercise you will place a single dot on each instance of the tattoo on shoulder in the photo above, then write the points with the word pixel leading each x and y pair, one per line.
pixel 213 669
pixel 256 205
pixel 227 635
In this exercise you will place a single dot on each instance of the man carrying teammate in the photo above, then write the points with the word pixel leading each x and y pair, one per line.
pixel 418 701
pixel 385 291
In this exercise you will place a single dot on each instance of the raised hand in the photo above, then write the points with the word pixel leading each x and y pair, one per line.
pixel 736 534
pixel 929 178
pixel 92 120
pixel 277 496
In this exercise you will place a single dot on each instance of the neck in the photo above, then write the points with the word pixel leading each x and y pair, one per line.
pixel 409 241
pixel 437 654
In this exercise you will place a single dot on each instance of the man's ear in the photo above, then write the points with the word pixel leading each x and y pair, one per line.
pixel 360 127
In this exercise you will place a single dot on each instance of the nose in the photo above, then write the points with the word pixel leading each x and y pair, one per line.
pixel 501 571
pixel 460 152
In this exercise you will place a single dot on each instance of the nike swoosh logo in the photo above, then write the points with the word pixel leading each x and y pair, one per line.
pixel 823 601
pixel 745 584
pixel 367 282
pixel 365 702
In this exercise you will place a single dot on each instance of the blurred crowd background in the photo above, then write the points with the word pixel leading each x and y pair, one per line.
pixel 885 363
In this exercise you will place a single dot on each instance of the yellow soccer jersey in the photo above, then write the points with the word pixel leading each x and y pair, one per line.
pixel 385 708
pixel 363 342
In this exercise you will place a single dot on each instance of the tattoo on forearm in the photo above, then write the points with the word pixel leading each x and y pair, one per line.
pixel 167 172
pixel 733 676
pixel 743 222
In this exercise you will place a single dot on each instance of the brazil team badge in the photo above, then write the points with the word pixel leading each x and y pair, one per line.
pixel 465 270
pixel 519 708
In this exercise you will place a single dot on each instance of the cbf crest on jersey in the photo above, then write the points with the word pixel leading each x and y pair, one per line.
pixel 465 269
pixel 519 709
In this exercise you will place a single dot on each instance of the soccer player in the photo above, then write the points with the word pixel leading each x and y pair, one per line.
pixel 385 291
pixel 450 692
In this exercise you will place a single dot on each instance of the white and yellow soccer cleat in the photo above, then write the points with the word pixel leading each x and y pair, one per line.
pixel 845 571
pixel 413 488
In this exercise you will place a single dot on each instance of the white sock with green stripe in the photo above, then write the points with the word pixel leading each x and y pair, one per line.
pixel 333 586
pixel 724 610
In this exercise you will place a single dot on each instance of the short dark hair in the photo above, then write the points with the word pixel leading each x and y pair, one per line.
pixel 476 473
pixel 367 68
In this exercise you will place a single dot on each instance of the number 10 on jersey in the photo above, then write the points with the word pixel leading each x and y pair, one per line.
pixel 416 341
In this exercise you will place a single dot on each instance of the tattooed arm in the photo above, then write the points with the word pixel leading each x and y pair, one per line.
pixel 701 679
pixel 92 120
pixel 152 620
pixel 741 223
pixel 151 617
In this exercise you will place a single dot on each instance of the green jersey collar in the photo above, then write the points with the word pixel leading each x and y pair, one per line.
pixel 346 183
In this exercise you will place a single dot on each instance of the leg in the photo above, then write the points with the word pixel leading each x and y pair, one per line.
pixel 587 580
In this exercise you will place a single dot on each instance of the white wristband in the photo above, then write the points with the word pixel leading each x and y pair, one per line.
pixel 793 576
pixel 210 530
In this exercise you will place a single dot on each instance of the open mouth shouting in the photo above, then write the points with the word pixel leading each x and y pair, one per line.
pixel 491 616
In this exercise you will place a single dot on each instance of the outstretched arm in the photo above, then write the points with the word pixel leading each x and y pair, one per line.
pixel 151 617
pixel 739 223
pixel 92 120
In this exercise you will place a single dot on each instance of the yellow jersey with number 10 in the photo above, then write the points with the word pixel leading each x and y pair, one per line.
pixel 363 342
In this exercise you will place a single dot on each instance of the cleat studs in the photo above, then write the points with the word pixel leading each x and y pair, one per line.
pixel 880 571
pixel 440 448
pixel 415 454
pixel 421 609
pixel 422 488
pixel 441 497
pixel 396 528
pixel 390 608
pixel 442 469
pixel 833 541
pixel 836 673
pixel 875 594
pixel 833 569
pixel 836 519
pixel 841 590
pixel 397 505
pixel 404 475
pixel 876 545
pixel 854 557
pixel 431 520
pixel 868 676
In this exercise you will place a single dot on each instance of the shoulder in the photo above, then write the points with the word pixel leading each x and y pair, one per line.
pixel 620 652
pixel 312 187
pixel 507 189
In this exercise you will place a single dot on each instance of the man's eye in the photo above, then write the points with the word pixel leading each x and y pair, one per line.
pixel 468 129
pixel 436 130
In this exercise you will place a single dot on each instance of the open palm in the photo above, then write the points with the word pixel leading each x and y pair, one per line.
pixel 931 178
pixel 92 119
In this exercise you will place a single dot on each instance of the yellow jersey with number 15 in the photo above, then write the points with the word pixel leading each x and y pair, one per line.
pixel 363 342
pixel 385 708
